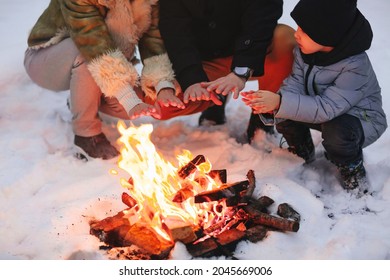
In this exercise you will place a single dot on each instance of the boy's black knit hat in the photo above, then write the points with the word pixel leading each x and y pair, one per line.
pixel 325 21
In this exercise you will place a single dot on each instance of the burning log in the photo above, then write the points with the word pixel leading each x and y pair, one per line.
pixel 128 200
pixel 272 221
pixel 181 231
pixel 286 211
pixel 219 175
pixel 223 244
pixel 203 248
pixel 190 167
pixel 225 191
pixel 184 193
pixel 117 231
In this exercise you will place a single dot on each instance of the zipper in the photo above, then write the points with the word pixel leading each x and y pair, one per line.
pixel 307 78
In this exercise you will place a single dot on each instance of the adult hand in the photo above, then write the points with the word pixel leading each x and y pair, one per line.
pixel 261 101
pixel 166 97
pixel 197 92
pixel 143 109
pixel 231 83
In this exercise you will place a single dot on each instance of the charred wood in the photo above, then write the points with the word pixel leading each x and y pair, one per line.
pixel 225 191
pixel 223 244
pixel 190 167
pixel 256 233
pixel 286 211
pixel 261 204
pixel 271 221
pixel 251 185
pixel 128 200
pixel 220 176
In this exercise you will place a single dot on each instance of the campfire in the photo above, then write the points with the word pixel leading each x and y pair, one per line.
pixel 188 202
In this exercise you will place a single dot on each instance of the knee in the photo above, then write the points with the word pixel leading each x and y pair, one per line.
pixel 343 134
pixel 283 40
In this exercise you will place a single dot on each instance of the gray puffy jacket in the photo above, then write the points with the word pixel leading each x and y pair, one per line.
pixel 317 94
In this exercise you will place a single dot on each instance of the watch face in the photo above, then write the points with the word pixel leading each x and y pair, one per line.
pixel 242 71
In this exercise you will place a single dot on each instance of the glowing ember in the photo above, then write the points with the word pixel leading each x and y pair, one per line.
pixel 154 183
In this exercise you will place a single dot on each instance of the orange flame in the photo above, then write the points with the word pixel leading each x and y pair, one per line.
pixel 155 183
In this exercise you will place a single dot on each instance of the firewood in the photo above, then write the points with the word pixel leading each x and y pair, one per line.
pixel 252 184
pixel 271 221
pixel 215 226
pixel 261 204
pixel 117 231
pixel 128 200
pixel 208 246
pixel 190 167
pixel 108 223
pixel 256 233
pixel 220 176
pixel 286 211
pixel 241 227
pixel 229 237
pixel 144 237
pixel 184 193
pixel 224 191
pixel 265 201
pixel 222 244
pixel 181 231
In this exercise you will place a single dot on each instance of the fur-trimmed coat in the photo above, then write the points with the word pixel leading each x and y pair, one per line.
pixel 106 32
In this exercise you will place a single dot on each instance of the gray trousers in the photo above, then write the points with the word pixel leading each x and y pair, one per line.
pixel 61 67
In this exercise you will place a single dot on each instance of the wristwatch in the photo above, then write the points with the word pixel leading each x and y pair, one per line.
pixel 243 72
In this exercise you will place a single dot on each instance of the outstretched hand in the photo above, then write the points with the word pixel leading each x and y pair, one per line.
pixel 261 101
pixel 197 92
pixel 166 97
pixel 144 109
pixel 231 83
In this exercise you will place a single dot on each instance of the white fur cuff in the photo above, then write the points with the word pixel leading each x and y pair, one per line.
pixel 112 73
pixel 156 69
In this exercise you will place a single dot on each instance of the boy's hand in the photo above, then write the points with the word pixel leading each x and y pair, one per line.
pixel 261 101
pixel 143 109
pixel 166 97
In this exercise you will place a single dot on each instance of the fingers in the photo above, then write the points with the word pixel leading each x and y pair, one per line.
pixel 196 93
pixel 174 102
pixel 215 99
pixel 143 110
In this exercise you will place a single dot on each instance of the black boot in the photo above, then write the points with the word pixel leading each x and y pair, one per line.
pixel 214 115
pixel 254 125
pixel 96 146
pixel 353 176
pixel 305 148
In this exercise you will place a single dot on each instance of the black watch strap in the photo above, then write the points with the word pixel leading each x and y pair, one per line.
pixel 243 72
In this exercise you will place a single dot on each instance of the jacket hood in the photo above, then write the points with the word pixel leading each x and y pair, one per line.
pixel 358 39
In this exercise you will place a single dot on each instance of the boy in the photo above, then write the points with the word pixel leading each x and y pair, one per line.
pixel 332 88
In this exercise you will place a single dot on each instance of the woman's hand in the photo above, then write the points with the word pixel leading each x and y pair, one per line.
pixel 144 109
pixel 166 97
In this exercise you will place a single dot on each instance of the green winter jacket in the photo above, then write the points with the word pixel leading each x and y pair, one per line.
pixel 107 32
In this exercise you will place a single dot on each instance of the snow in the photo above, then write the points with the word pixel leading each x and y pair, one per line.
pixel 48 197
